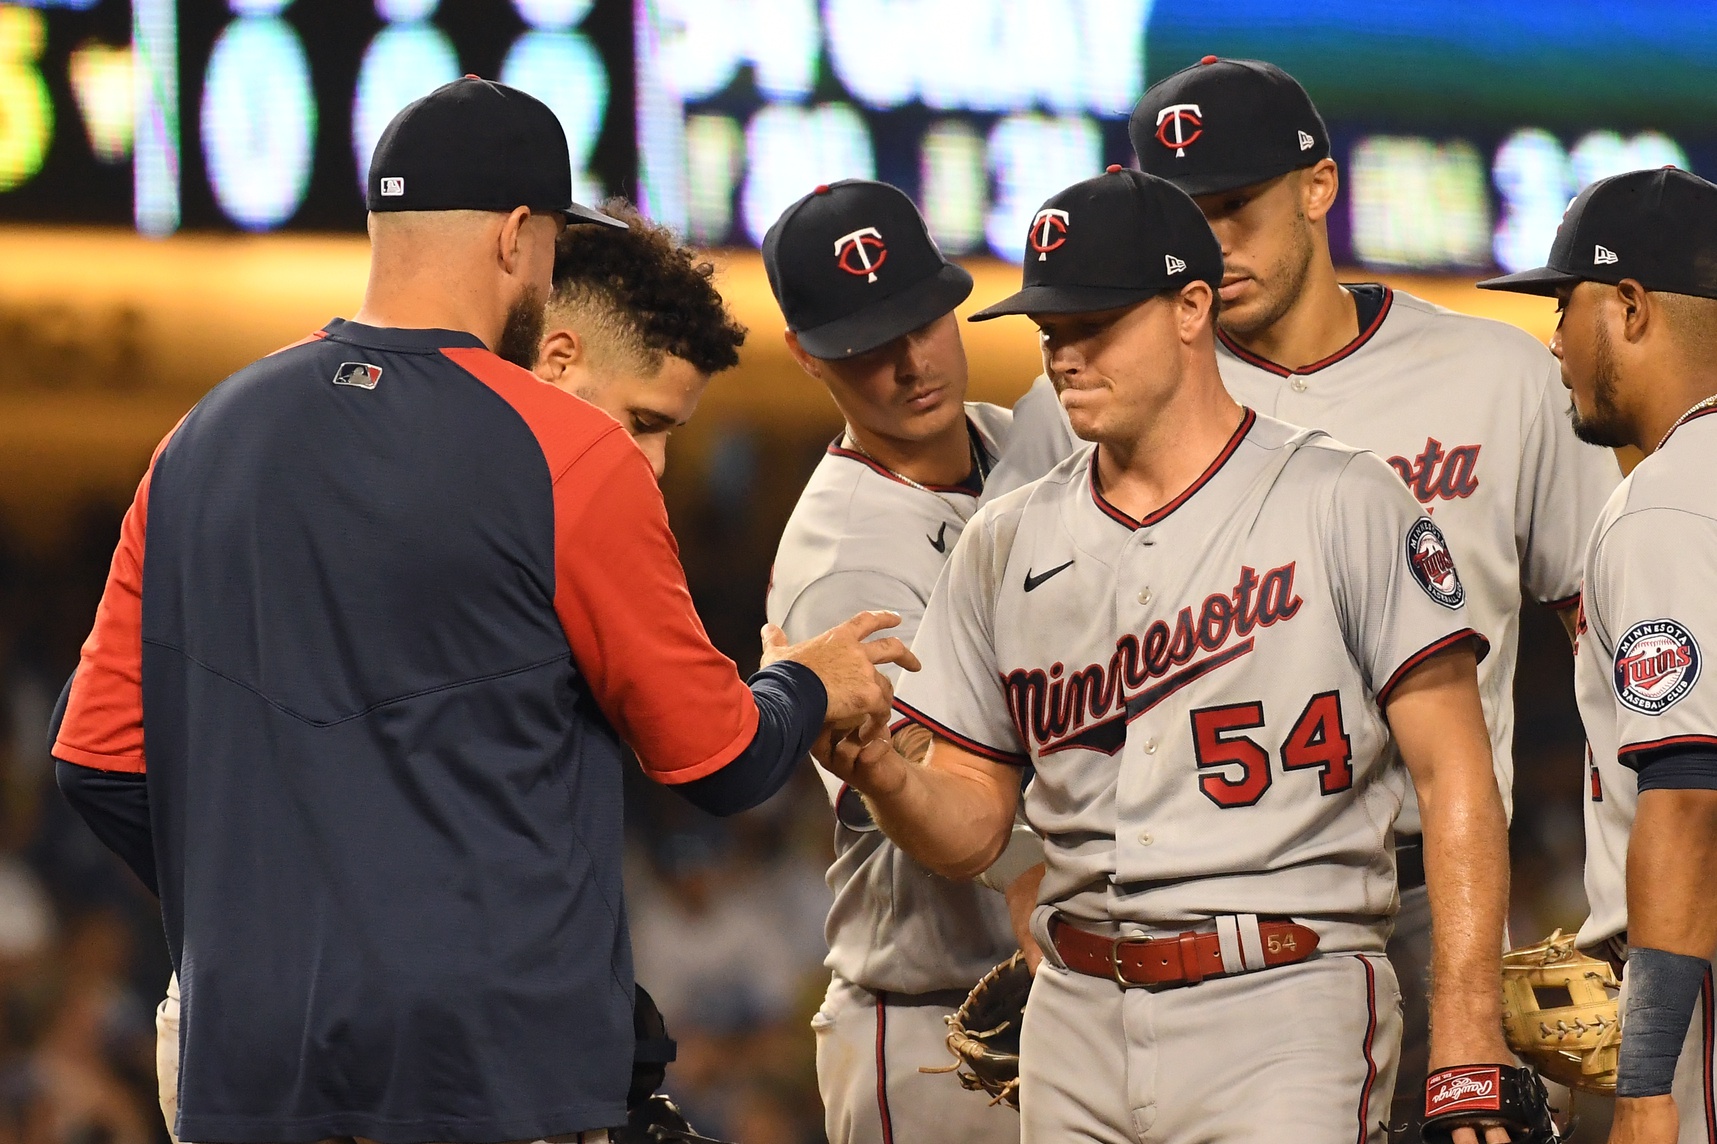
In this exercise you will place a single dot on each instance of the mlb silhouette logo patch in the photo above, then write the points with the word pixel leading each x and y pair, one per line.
pixel 1603 256
pixel 393 187
pixel 357 373
pixel 1657 662
pixel 1432 564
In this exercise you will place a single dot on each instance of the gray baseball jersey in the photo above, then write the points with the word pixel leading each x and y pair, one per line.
pixel 1040 439
pixel 1647 621
pixel 1200 690
pixel 1473 416
pixel 1647 618
pixel 861 538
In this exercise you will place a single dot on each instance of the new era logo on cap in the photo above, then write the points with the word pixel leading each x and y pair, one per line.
pixel 1603 256
pixel 1173 264
pixel 361 374
pixel 1306 141
pixel 392 188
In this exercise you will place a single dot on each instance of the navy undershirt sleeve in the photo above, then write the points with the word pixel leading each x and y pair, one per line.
pixel 1692 768
pixel 115 804
pixel 791 702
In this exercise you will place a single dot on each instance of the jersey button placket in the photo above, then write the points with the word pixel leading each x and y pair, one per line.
pixel 1298 384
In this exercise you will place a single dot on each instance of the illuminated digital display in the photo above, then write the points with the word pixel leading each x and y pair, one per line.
pixel 261 114
pixel 1461 130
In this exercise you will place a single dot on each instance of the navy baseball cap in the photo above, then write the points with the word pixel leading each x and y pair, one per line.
pixel 1120 238
pixel 475 145
pixel 1222 124
pixel 1658 227
pixel 853 267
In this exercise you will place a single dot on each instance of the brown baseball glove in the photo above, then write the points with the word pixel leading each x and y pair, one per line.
pixel 1559 1013
pixel 983 1033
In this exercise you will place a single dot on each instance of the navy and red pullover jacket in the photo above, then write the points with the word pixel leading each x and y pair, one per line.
pixel 376 648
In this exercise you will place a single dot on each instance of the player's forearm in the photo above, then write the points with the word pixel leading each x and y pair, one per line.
pixel 1438 722
pixel 1466 876
pixel 953 818
pixel 1671 853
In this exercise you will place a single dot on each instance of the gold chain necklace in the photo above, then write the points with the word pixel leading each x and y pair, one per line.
pixel 1680 421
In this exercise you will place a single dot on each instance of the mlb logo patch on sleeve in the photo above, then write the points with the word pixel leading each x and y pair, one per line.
pixel 1433 565
pixel 358 373
pixel 1657 662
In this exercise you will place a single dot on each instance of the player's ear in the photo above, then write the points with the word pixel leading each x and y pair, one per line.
pixel 562 353
pixel 1318 186
pixel 1635 308
pixel 1193 310
pixel 510 242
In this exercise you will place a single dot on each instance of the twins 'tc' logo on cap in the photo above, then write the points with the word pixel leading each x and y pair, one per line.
pixel 1173 123
pixel 861 252
pixel 1657 662
pixel 1048 231
pixel 1433 565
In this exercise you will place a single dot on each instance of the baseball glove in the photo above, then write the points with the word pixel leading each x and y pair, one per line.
pixel 983 1033
pixel 1559 1013
pixel 1477 1096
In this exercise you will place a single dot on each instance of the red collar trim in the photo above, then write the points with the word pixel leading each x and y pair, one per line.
pixel 1246 420
pixel 835 450
pixel 1689 421
pixel 1269 366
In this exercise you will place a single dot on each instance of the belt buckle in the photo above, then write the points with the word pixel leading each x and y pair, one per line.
pixel 1115 961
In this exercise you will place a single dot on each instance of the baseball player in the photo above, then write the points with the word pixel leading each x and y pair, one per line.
pixel 869 304
pixel 1469 412
pixel 635 326
pixel 1634 270
pixel 355 695
pixel 1194 631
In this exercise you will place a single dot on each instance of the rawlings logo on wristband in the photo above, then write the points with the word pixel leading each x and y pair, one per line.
pixel 1473 1089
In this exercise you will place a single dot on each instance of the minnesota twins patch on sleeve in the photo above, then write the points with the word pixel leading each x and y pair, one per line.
pixel 1657 664
pixel 1432 564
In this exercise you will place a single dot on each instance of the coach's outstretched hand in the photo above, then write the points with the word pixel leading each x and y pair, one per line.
pixel 845 659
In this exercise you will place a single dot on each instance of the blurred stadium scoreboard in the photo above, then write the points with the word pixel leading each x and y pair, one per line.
pixel 261 114
pixel 1462 126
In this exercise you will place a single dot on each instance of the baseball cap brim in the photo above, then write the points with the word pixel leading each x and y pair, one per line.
pixel 1066 300
pixel 888 318
pixel 577 213
pixel 1544 281
pixel 1215 184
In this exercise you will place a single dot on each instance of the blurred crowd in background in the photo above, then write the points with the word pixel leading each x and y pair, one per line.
pixel 727 915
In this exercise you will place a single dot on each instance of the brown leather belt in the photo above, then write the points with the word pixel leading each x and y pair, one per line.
pixel 1183 960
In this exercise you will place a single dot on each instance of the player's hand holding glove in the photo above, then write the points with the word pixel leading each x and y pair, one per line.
pixel 983 1033
pixel 1484 1098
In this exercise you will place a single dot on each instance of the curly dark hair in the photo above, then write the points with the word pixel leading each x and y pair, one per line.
pixel 648 294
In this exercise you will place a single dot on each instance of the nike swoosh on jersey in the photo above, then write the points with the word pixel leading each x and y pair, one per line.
pixel 1031 582
pixel 940 541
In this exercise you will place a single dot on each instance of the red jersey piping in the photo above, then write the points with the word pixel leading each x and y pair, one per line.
pixel 1247 419
pixel 1269 366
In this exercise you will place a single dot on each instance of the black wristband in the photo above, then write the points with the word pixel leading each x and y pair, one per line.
pixel 1661 990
